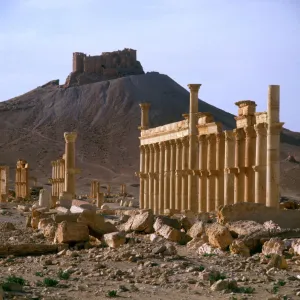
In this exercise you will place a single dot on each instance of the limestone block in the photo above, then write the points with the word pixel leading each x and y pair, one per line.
pixel 64 217
pixel 273 246
pixel 164 220
pixel 208 249
pixel 296 246
pixel 44 222
pixel 50 230
pixel 258 213
pixel 173 234
pixel 63 210
pixel 68 232
pixel 96 223
pixel 246 227
pixel 195 243
pixel 83 205
pixel 114 239
pixel 219 236
pixel 238 247
pixel 196 230
pixel 44 198
pixel 143 222
pixel 67 203
pixel 277 261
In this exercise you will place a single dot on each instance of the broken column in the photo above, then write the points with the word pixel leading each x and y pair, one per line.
pixel 144 115
pixel 229 169
pixel 273 147
pixel 100 199
pixel 70 170
pixel 193 147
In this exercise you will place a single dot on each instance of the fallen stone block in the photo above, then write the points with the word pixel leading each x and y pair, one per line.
pixel 208 249
pixel 219 236
pixel 84 205
pixel 259 213
pixel 239 247
pixel 68 217
pixel 196 230
pixel 114 239
pixel 296 246
pixel 142 222
pixel 242 228
pixel 63 210
pixel 27 249
pixel 273 246
pixel 173 234
pixel 68 232
pixel 164 220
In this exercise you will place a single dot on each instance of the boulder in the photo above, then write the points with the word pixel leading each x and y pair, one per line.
pixel 239 247
pixel 241 228
pixel 96 223
pixel 164 220
pixel 114 239
pixel 196 230
pixel 142 222
pixel 173 234
pixel 68 232
pixel 219 236
pixel 273 246
pixel 195 243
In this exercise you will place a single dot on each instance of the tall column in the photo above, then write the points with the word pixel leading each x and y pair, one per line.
pixel 151 176
pixel 156 179
pixel 178 175
pixel 273 146
pixel 70 171
pixel 249 163
pixel 184 182
pixel 193 147
pixel 260 167
pixel 239 180
pixel 229 169
pixel 141 176
pixel 144 115
pixel 53 179
pixel 220 158
pixel 172 174
pixel 147 165
pixel 211 167
pixel 161 177
pixel 202 202
pixel 167 175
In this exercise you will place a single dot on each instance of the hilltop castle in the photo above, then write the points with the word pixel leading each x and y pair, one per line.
pixel 108 65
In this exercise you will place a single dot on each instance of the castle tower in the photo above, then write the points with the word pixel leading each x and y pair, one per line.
pixel 78 58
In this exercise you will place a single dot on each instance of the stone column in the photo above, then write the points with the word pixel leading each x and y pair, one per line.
pixel 178 175
pixel 108 189
pixel 142 181
pixel 151 177
pixel 53 178
pixel 100 199
pixel 172 175
pixel 202 196
pixel 193 147
pixel 184 182
pixel 145 115
pixel 260 167
pixel 156 179
pixel 249 163
pixel 273 147
pixel 211 168
pixel 161 177
pixel 70 171
pixel 229 169
pixel 220 158
pixel 167 176
pixel 147 166
pixel 239 180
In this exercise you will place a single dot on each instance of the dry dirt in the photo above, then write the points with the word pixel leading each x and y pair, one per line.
pixel 133 271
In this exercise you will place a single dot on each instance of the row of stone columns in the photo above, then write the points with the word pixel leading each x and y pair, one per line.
pixel 58 177
pixel 232 166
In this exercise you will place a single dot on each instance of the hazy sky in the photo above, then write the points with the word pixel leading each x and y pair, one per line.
pixel 235 48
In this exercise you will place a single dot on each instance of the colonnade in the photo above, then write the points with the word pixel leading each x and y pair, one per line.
pixel 58 177
pixel 95 189
pixel 195 165
pixel 22 179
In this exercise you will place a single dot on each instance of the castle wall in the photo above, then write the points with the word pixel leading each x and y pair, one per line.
pixel 78 65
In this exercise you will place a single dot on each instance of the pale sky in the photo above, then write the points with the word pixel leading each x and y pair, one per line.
pixel 234 48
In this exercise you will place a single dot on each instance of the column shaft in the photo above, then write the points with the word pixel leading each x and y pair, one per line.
pixel 178 183
pixel 146 187
pixel 161 176
pixel 239 180
pixel 142 181
pixel 184 183
pixel 220 158
pixel 156 179
pixel 202 203
pixel 167 176
pixel 229 166
pixel 211 167
pixel 151 178
pixel 172 174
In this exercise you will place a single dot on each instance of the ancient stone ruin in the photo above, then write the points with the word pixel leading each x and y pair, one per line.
pixel 58 178
pixel 95 189
pixel 195 165
pixel 4 175
pixel 108 65
pixel 22 179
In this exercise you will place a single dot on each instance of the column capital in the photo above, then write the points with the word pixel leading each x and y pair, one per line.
pixel 156 146
pixel 239 133
pixel 162 146
pixel 167 145
pixel 202 138
pixel 185 141
pixel 145 106
pixel 261 129
pixel 70 137
pixel 220 136
pixel 249 132
pixel 229 135
pixel 210 138
pixel 194 87
pixel 147 148
pixel 178 143
pixel 151 148
pixel 52 163
pixel 275 128
pixel 172 143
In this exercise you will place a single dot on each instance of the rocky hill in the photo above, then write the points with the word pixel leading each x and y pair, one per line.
pixel 106 116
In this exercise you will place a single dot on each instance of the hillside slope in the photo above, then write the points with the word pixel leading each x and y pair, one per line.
pixel 106 116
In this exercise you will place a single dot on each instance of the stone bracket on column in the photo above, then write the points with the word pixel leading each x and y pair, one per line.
pixel 231 170
pixel 196 173
pixel 259 168
pixel 152 175
pixel 203 173
pixel 141 175
pixel 212 173
pixel 241 170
